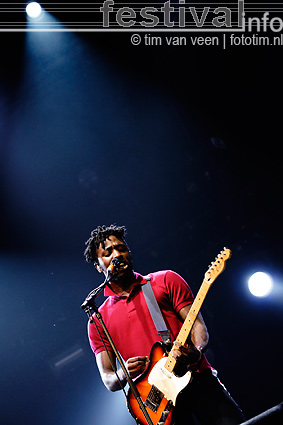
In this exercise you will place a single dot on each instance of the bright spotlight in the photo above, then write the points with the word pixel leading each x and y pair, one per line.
pixel 260 284
pixel 33 9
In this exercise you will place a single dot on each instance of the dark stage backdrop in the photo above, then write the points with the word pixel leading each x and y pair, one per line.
pixel 182 145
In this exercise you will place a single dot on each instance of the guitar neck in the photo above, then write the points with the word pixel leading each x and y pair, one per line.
pixel 214 270
pixel 189 321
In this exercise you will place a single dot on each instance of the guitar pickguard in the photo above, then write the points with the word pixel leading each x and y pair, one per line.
pixel 166 382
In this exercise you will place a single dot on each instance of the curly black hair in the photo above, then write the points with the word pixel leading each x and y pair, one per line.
pixel 99 235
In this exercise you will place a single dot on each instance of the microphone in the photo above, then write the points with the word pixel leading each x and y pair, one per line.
pixel 114 264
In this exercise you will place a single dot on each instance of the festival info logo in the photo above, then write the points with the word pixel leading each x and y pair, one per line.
pixel 169 15
pixel 135 16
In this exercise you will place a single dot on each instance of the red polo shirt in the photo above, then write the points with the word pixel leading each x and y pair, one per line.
pixel 128 319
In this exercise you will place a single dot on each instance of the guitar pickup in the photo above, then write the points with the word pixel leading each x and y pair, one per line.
pixel 154 398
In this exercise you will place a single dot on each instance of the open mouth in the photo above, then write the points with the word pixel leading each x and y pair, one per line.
pixel 122 265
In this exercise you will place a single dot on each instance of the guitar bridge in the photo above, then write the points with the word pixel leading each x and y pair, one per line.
pixel 154 398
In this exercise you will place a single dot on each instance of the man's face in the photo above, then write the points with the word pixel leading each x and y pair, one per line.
pixel 114 248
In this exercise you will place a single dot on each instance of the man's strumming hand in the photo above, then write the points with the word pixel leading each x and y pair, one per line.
pixel 136 365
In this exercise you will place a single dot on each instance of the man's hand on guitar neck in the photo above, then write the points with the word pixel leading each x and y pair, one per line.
pixel 186 354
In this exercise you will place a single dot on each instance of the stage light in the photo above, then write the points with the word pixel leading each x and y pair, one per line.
pixel 260 284
pixel 33 9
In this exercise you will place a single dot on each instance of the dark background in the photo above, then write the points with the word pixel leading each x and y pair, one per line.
pixel 180 144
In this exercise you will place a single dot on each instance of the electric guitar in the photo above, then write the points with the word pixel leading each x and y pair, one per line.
pixel 160 385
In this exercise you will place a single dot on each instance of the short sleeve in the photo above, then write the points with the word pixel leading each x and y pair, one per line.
pixel 179 291
pixel 95 339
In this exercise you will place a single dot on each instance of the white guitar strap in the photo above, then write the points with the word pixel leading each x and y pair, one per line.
pixel 155 311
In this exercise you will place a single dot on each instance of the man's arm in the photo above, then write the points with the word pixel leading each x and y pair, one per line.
pixel 135 366
pixel 199 338
pixel 199 333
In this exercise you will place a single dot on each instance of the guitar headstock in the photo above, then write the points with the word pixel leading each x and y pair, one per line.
pixel 218 265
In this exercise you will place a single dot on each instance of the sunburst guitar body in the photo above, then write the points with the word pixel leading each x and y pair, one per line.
pixel 158 389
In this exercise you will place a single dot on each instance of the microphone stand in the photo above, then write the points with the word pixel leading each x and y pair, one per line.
pixel 90 307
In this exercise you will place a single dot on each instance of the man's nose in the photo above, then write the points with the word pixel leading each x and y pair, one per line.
pixel 116 253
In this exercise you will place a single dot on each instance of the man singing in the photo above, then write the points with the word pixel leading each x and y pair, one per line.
pixel 127 318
